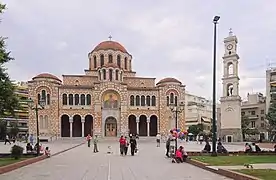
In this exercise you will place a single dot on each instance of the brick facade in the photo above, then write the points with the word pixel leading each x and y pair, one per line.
pixel 110 74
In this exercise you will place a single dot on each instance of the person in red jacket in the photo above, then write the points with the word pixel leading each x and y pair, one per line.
pixel 122 145
pixel 178 155
pixel 88 139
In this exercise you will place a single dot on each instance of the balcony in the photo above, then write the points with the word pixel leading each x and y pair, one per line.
pixel 253 117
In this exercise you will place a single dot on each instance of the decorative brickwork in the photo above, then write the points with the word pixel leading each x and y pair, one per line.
pixel 86 95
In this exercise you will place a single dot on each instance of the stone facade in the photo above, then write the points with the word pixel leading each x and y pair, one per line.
pixel 230 122
pixel 108 100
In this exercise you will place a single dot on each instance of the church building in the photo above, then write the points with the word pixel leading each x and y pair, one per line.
pixel 108 100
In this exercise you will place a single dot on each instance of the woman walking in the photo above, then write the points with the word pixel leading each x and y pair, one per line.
pixel 126 146
pixel 133 145
pixel 122 142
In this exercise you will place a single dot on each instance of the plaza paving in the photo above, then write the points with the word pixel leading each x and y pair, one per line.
pixel 82 164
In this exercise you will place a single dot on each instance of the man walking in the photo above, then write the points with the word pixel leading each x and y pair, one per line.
pixel 7 139
pixel 133 145
pixel 96 144
pixel 158 139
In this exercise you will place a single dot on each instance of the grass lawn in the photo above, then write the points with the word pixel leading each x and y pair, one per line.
pixel 234 160
pixel 266 174
pixel 7 161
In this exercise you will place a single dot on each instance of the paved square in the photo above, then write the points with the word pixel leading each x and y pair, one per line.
pixel 82 164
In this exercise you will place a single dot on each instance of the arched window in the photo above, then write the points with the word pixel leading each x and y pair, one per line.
pixel 168 100
pixel 153 101
pixel 110 58
pixel 38 97
pixel 99 74
pixel 82 99
pixel 46 123
pixel 125 63
pixel 117 75
pixel 41 123
pixel 131 100
pixel 171 98
pixel 143 100
pixel 71 99
pixel 137 99
pixel 230 68
pixel 104 74
pixel 64 99
pixel 95 62
pixel 77 99
pixel 43 92
pixel 102 60
pixel 119 61
pixel 88 99
pixel 110 74
pixel 121 76
pixel 148 100
pixel 175 100
pixel 48 99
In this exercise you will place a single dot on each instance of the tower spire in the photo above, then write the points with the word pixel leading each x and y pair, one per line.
pixel 230 32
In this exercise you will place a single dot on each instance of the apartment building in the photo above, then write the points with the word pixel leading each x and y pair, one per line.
pixel 255 109
pixel 21 115
pixel 198 110
pixel 270 86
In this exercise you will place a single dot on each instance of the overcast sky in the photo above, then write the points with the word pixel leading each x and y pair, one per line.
pixel 165 38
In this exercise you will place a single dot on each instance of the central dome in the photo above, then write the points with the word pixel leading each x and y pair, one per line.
pixel 106 45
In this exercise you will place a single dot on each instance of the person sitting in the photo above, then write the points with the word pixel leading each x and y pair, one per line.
pixel 178 158
pixel 47 152
pixel 29 148
pixel 248 148
pixel 221 148
pixel 184 154
pixel 207 148
pixel 253 147
pixel 275 148
pixel 258 149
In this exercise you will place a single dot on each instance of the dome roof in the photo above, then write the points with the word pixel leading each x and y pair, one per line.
pixel 166 80
pixel 106 45
pixel 47 75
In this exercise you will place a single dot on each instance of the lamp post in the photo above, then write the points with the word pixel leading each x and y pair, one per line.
pixel 177 109
pixel 214 137
pixel 36 107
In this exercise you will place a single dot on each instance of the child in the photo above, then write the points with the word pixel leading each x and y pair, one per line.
pixel 47 152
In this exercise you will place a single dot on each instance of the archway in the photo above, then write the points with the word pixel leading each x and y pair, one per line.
pixel 110 127
pixel 153 125
pixel 142 125
pixel 132 124
pixel 88 125
pixel 65 126
pixel 77 126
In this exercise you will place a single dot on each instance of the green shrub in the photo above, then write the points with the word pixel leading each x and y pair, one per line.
pixel 17 151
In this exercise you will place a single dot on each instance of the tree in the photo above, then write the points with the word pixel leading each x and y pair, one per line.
pixel 8 99
pixel 14 130
pixel 271 118
pixel 195 129
pixel 3 129
pixel 244 125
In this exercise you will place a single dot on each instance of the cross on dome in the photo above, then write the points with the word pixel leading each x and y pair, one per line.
pixel 109 37
pixel 230 32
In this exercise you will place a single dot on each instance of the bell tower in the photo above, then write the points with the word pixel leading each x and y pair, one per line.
pixel 230 101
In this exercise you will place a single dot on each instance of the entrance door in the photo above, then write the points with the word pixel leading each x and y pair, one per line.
pixel 111 127
pixel 229 138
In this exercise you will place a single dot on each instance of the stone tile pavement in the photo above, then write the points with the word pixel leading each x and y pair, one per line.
pixel 82 164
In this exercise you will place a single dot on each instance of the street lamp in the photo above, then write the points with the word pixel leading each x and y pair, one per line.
pixel 36 107
pixel 177 109
pixel 214 137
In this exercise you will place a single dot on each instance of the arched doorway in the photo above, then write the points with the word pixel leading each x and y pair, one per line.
pixel 132 124
pixel 65 126
pixel 110 127
pixel 77 126
pixel 88 125
pixel 143 125
pixel 153 125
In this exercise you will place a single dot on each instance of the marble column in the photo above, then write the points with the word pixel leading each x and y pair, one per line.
pixel 137 125
pixel 71 126
pixel 148 126
pixel 82 126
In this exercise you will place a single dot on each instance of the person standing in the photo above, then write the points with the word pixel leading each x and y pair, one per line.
pixel 168 143
pixel 96 144
pixel 126 146
pixel 88 139
pixel 133 145
pixel 122 142
pixel 7 139
pixel 32 139
pixel 158 139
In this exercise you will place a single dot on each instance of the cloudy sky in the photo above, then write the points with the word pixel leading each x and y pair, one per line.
pixel 174 37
